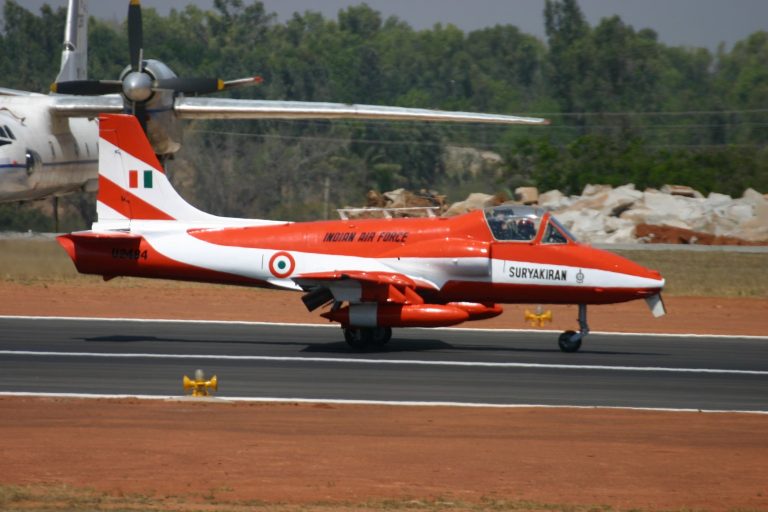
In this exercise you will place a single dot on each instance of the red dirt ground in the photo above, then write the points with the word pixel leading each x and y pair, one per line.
pixel 289 453
pixel 704 315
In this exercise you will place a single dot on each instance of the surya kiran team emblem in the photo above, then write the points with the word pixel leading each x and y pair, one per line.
pixel 145 182
pixel 281 264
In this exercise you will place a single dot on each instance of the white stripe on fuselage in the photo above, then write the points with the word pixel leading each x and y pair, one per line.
pixel 253 263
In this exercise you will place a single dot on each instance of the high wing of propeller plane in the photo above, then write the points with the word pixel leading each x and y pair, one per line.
pixel 48 142
pixel 370 274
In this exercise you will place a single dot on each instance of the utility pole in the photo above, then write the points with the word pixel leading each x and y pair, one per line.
pixel 326 196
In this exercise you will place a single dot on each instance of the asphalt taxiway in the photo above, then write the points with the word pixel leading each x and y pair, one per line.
pixel 462 366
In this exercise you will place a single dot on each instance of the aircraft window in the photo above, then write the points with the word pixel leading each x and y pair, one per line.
pixel 77 149
pixel 87 149
pixel 10 133
pixel 4 142
pixel 553 236
pixel 556 233
pixel 53 150
pixel 513 223
pixel 3 134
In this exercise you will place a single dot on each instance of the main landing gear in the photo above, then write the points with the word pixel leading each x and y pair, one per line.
pixel 364 337
pixel 570 341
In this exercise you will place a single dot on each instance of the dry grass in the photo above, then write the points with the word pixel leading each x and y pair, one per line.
pixel 709 274
pixel 39 498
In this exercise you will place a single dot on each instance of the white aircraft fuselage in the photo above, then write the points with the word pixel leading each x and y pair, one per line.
pixel 41 154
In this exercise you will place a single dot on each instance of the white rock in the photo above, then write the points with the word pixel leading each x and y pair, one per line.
pixel 625 235
pixel 554 200
pixel 586 225
pixel 474 201
pixel 527 195
pixel 591 190
pixel 621 199
pixel 674 223
pixel 715 199
pixel 754 197
pixel 740 212
pixel 681 190
pixel 614 224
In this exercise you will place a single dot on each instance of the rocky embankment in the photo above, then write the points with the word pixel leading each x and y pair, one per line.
pixel 604 214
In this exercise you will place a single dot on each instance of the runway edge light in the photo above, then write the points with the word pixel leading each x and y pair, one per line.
pixel 538 318
pixel 199 386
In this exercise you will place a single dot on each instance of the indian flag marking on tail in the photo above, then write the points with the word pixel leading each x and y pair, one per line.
pixel 133 179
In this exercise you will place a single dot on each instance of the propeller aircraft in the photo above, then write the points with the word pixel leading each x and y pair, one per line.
pixel 371 274
pixel 48 142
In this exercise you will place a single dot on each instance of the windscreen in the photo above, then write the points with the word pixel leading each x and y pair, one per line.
pixel 556 233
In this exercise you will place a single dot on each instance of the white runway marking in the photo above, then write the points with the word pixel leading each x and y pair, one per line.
pixel 408 362
pixel 335 326
pixel 277 400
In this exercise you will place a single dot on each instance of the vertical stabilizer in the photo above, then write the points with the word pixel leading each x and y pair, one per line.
pixel 132 183
pixel 74 56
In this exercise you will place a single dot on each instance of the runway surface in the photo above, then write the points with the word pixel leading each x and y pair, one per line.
pixel 446 365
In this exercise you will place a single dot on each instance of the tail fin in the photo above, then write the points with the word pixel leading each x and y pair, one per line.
pixel 74 57
pixel 132 183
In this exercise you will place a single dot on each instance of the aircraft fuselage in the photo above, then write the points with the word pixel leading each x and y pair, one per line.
pixel 43 155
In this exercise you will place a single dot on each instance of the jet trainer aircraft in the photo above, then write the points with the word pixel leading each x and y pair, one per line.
pixel 372 274
pixel 48 142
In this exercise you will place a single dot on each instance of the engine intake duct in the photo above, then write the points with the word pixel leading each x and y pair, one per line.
pixel 316 298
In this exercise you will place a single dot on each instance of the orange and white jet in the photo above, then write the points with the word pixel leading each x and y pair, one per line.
pixel 371 274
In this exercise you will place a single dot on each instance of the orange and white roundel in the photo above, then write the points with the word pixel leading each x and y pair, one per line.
pixel 281 264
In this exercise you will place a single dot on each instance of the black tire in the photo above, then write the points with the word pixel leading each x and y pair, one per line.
pixel 354 338
pixel 382 335
pixel 566 344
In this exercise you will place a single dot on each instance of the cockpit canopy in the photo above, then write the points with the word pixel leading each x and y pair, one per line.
pixel 6 135
pixel 523 223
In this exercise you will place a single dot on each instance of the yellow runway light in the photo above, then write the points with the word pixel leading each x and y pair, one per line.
pixel 200 386
pixel 539 318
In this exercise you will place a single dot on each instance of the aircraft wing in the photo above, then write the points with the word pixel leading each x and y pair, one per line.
pixel 224 108
pixel 86 106
pixel 4 91
pixel 227 108
pixel 360 286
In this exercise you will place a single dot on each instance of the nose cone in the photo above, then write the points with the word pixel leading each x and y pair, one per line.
pixel 622 272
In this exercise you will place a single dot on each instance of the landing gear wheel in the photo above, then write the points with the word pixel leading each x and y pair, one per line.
pixel 363 337
pixel 354 338
pixel 382 335
pixel 569 341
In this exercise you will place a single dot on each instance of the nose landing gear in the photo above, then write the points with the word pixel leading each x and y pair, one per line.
pixel 570 341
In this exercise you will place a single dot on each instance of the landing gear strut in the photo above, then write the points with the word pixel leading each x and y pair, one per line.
pixel 570 341
pixel 363 337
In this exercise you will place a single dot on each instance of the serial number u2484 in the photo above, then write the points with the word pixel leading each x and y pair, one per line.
pixel 128 254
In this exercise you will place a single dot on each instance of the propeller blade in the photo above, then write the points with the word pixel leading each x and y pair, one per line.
pixel 87 87
pixel 243 82
pixel 190 85
pixel 135 37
